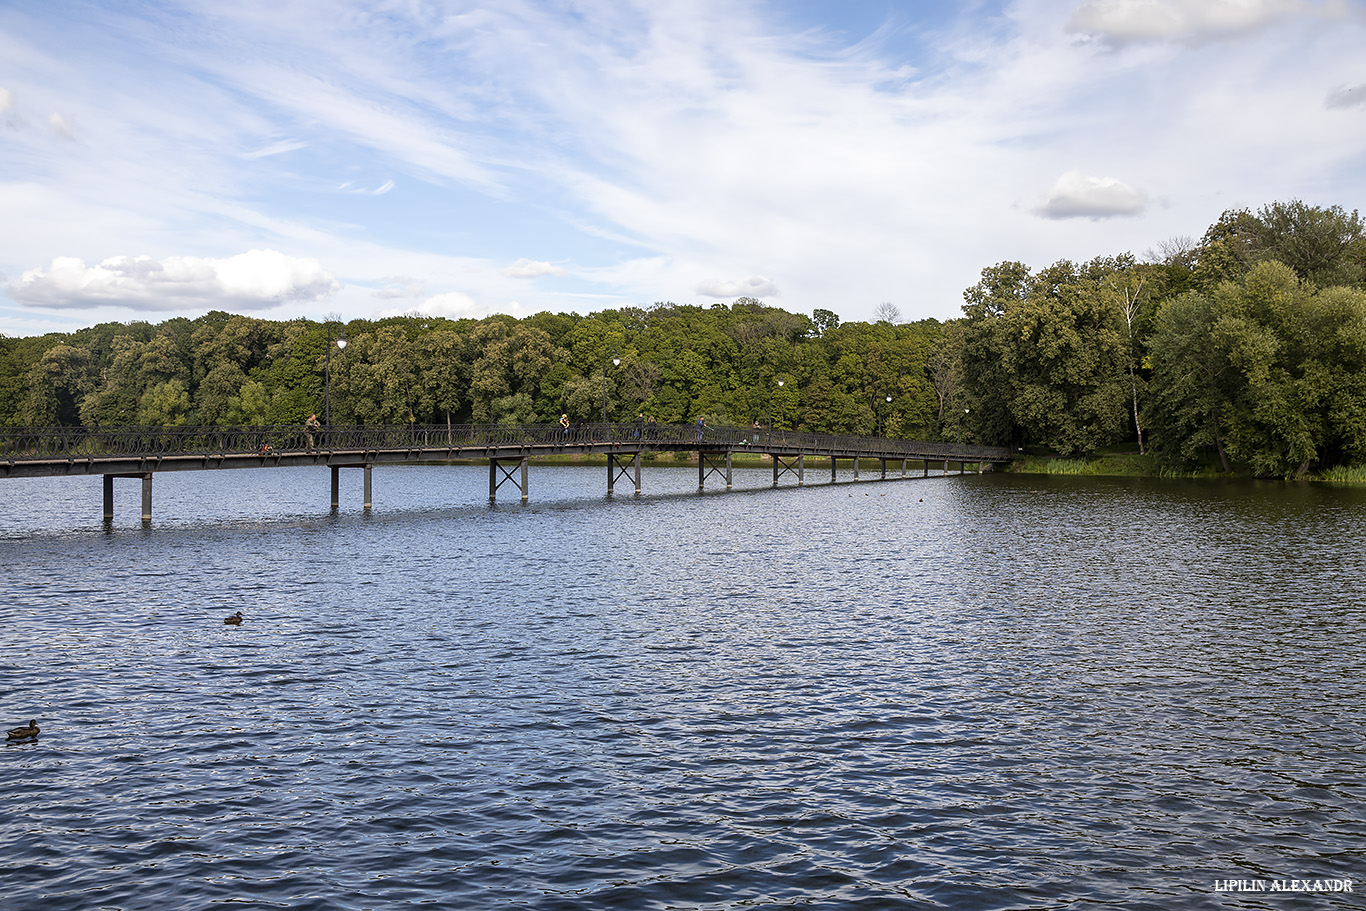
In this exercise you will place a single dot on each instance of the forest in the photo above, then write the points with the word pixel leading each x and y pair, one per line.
pixel 1245 349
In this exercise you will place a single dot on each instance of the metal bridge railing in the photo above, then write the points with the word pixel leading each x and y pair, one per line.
pixel 48 443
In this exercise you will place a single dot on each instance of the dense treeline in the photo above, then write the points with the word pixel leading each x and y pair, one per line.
pixel 676 363
pixel 1246 349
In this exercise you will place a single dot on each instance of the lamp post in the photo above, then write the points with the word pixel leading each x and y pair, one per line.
pixel 340 342
pixel 770 403
pixel 960 424
pixel 879 417
pixel 616 362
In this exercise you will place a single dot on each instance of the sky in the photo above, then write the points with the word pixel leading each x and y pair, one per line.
pixel 316 158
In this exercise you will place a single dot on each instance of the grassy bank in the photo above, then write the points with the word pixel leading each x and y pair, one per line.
pixel 1133 465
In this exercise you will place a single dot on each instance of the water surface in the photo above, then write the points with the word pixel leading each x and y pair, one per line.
pixel 964 692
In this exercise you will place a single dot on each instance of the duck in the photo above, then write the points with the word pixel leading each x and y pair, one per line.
pixel 234 620
pixel 26 732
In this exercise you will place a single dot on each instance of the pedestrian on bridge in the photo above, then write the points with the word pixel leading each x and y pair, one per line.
pixel 311 426
pixel 564 422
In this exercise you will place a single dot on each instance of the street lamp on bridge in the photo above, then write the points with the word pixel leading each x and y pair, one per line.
pixel 340 342
pixel 879 417
pixel 616 362
pixel 770 403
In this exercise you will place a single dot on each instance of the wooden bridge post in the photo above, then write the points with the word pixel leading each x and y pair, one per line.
pixel 728 455
pixel 635 464
pixel 108 497
pixel 801 469
pixel 832 469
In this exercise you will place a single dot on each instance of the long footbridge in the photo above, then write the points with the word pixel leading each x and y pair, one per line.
pixel 140 452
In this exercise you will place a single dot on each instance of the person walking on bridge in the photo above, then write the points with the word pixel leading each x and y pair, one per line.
pixel 311 426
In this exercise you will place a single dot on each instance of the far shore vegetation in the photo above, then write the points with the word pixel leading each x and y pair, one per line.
pixel 1242 353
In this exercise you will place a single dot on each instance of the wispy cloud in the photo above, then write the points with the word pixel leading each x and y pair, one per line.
pixel 1136 21
pixel 669 151
pixel 531 268
pixel 1348 96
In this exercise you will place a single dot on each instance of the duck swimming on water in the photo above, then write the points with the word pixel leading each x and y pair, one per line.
pixel 26 732
pixel 234 620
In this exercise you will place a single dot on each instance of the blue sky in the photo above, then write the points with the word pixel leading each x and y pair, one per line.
pixel 309 157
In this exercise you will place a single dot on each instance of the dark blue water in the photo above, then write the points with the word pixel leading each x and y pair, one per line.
pixel 965 692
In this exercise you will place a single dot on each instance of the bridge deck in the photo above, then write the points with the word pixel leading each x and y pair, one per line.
pixel 47 452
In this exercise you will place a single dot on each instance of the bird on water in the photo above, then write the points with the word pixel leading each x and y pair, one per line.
pixel 24 733
pixel 234 620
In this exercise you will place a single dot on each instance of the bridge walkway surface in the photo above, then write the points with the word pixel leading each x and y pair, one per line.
pixel 141 452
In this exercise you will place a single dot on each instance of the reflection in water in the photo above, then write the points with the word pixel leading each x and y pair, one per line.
pixel 977 692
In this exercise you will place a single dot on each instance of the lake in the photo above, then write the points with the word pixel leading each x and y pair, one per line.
pixel 967 692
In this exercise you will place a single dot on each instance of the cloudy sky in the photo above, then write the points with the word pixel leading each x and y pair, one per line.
pixel 453 157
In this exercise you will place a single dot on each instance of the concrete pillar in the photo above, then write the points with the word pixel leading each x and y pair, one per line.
pixel 801 470
pixel 526 489
pixel 147 497
pixel 728 454
pixel 336 486
pixel 635 463
pixel 367 487
pixel 108 497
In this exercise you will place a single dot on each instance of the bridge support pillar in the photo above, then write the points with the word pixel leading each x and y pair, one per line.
pixel 616 469
pixel 856 468
pixel 367 486
pixel 832 469
pixel 496 469
pixel 903 467
pixel 884 469
pixel 145 478
pixel 707 464
pixel 336 487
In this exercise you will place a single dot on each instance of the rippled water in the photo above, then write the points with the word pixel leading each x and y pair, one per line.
pixel 964 692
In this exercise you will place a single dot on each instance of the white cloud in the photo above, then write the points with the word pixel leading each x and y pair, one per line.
pixel 6 99
pixel 1077 195
pixel 400 286
pixel 352 187
pixel 253 280
pixel 754 286
pixel 60 126
pixel 1348 97
pixel 458 305
pixel 1123 22
pixel 275 148
pixel 531 268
